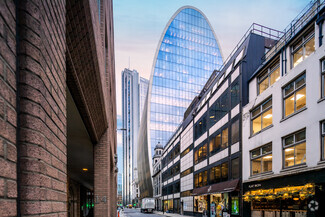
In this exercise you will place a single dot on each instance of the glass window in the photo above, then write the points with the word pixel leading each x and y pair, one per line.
pixel 261 159
pixel 224 172
pixel 269 76
pixel 303 48
pixel 215 174
pixel 200 127
pixel 235 132
pixel 219 142
pixel 294 95
pixel 261 116
pixel 235 168
pixel 201 153
pixel 323 139
pixel 186 172
pixel 323 79
pixel 294 149
pixel 201 179
pixel 234 94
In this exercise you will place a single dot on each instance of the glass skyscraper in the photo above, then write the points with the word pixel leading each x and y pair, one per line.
pixel 187 54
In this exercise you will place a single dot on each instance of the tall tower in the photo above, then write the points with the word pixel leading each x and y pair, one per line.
pixel 133 87
pixel 187 54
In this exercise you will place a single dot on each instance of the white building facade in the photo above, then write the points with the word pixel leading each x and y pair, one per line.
pixel 283 125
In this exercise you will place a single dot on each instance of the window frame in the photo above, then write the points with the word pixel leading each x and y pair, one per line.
pixel 221 148
pixel 260 156
pixel 266 74
pixel 196 152
pixel 303 40
pixel 295 143
pixel 261 112
pixel 322 74
pixel 322 135
pixel 294 91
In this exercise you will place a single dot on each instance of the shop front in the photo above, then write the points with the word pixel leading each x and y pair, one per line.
pixel 218 200
pixel 168 206
pixel 297 196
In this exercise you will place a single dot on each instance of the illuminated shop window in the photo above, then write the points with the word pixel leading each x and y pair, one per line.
pixel 303 47
pixel 261 159
pixel 261 116
pixel 294 149
pixel 294 95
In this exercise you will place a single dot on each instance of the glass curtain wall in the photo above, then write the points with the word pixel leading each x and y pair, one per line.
pixel 186 58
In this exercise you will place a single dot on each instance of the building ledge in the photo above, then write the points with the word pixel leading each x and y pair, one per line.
pixel 261 176
pixel 321 100
pixel 295 113
pixel 262 130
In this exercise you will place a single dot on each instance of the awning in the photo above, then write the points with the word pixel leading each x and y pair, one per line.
pixel 222 187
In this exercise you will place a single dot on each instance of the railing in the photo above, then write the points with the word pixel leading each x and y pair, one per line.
pixel 257 29
pixel 297 24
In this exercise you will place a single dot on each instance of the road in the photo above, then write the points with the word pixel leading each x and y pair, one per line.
pixel 137 213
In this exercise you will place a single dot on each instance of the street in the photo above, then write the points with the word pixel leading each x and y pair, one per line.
pixel 137 213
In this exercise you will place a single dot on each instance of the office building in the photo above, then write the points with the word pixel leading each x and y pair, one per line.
pixel 283 124
pixel 134 91
pixel 201 163
pixel 186 55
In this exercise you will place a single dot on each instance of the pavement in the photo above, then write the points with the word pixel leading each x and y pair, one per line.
pixel 137 213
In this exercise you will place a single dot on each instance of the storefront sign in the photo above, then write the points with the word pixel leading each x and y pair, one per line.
pixel 254 186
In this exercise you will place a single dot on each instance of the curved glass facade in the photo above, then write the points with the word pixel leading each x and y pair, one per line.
pixel 187 55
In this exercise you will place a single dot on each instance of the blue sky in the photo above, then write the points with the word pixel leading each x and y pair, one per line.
pixel 138 25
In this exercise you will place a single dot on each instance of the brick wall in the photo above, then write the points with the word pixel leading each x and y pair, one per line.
pixel 8 116
pixel 42 86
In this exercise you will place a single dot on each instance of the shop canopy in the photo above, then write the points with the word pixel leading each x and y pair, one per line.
pixel 222 187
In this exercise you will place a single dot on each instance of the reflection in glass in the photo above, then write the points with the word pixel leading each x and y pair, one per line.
pixel 289 106
pixel 187 56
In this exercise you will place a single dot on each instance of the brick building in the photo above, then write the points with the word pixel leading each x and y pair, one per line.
pixel 57 108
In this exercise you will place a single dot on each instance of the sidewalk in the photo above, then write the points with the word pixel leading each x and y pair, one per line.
pixel 169 214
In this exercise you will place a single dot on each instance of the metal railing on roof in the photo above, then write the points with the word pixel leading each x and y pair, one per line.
pixel 257 29
pixel 296 24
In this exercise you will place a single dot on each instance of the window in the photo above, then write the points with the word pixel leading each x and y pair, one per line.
pixel 219 142
pixel 201 179
pixel 261 159
pixel 224 172
pixel 323 79
pixel 200 127
pixel 235 168
pixel 186 151
pixel 219 109
pixel 219 173
pixel 261 117
pixel 186 193
pixel 268 77
pixel 294 95
pixel 201 153
pixel 186 172
pixel 235 132
pixel 234 92
pixel 294 149
pixel 303 48
pixel 323 139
